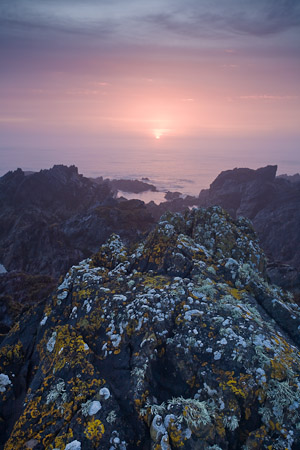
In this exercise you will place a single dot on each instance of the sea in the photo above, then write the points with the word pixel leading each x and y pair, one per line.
pixel 185 166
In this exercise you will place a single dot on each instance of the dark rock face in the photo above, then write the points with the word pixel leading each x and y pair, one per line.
pixel 286 276
pixel 292 178
pixel 134 186
pixel 172 195
pixel 176 205
pixel 18 292
pixel 52 219
pixel 242 191
pixel 179 342
pixel 60 189
pixel 273 205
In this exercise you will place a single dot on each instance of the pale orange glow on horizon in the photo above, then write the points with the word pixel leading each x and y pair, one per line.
pixel 159 132
pixel 194 101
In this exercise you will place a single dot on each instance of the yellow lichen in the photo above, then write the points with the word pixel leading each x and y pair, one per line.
pixel 94 430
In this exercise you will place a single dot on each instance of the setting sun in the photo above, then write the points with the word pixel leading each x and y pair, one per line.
pixel 158 133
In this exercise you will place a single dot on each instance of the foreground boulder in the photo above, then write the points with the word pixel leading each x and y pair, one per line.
pixel 177 343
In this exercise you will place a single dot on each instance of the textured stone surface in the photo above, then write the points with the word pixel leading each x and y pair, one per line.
pixel 178 342
pixel 18 292
pixel 52 219
pixel 273 205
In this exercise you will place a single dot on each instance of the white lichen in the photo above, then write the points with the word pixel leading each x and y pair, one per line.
pixel 44 320
pixel 4 382
pixel 51 343
pixel 74 445
pixel 94 407
pixel 104 393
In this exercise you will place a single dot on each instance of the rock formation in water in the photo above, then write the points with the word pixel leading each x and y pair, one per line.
pixel 178 342
pixel 52 219
pixel 134 186
pixel 173 195
pixel 273 205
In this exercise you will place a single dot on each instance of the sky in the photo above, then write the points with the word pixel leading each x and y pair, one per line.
pixel 130 73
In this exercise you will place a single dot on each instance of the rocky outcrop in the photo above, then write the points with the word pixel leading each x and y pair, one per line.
pixel 178 342
pixel 173 195
pixel 52 219
pixel 134 186
pixel 273 205
pixel 176 205
pixel 292 178
pixel 242 192
pixel 60 190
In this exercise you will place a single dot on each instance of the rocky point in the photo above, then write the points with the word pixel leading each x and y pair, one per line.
pixel 175 342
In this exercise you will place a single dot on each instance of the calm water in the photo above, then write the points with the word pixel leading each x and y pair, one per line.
pixel 186 166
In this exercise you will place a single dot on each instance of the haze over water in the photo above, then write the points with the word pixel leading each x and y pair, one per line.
pixel 170 90
pixel 184 165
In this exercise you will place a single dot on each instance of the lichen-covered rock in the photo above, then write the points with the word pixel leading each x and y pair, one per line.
pixel 273 205
pixel 177 343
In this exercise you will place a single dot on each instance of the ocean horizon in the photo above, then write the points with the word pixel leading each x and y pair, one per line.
pixel 187 166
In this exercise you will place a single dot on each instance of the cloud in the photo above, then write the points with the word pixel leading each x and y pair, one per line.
pixel 30 26
pixel 268 97
pixel 11 119
pixel 218 19
pixel 99 23
pixel 270 17
pixel 46 24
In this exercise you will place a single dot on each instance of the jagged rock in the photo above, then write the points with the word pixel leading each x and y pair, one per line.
pixel 179 342
pixel 286 276
pixel 242 191
pixel 292 178
pixel 60 189
pixel 134 186
pixel 273 205
pixel 172 195
pixel 52 219
pixel 176 205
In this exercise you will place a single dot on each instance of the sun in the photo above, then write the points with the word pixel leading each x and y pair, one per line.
pixel 159 132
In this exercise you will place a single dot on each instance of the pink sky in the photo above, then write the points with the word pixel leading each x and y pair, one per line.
pixel 75 74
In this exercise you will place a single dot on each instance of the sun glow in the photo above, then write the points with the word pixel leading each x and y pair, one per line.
pixel 159 132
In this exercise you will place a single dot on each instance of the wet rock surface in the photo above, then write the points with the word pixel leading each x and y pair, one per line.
pixel 178 342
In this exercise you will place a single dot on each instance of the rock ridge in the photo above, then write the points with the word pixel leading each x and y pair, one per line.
pixel 176 342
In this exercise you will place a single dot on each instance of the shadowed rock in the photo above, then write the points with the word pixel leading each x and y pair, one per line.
pixel 52 219
pixel 134 186
pixel 273 205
